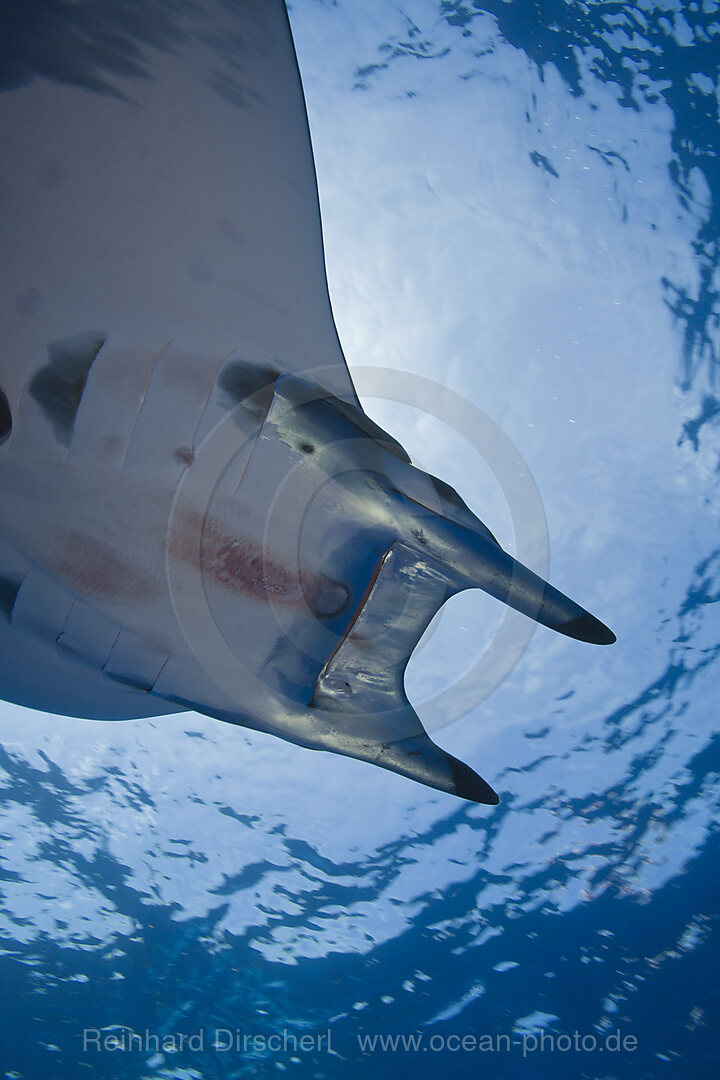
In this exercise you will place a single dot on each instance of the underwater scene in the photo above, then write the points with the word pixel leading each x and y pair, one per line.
pixel 520 203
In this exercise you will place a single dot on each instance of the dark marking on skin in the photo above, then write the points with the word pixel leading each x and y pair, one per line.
pixel 9 589
pixel 242 380
pixel 5 418
pixel 327 598
pixel 58 385
pixel 109 447
pixel 94 568
pixel 307 448
pixel 183 455
pixel 468 785
pixel 587 628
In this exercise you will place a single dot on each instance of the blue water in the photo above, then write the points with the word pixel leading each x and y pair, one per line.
pixel 175 877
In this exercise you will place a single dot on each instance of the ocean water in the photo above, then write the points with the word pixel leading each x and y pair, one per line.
pixel 520 203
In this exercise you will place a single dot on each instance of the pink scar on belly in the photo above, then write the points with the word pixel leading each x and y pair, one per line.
pixel 235 562
pixel 232 561
pixel 94 568
pixel 241 564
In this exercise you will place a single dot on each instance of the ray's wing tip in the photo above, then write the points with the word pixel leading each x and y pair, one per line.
pixel 587 628
pixel 468 785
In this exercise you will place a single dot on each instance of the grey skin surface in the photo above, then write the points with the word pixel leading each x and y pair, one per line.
pixel 195 511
